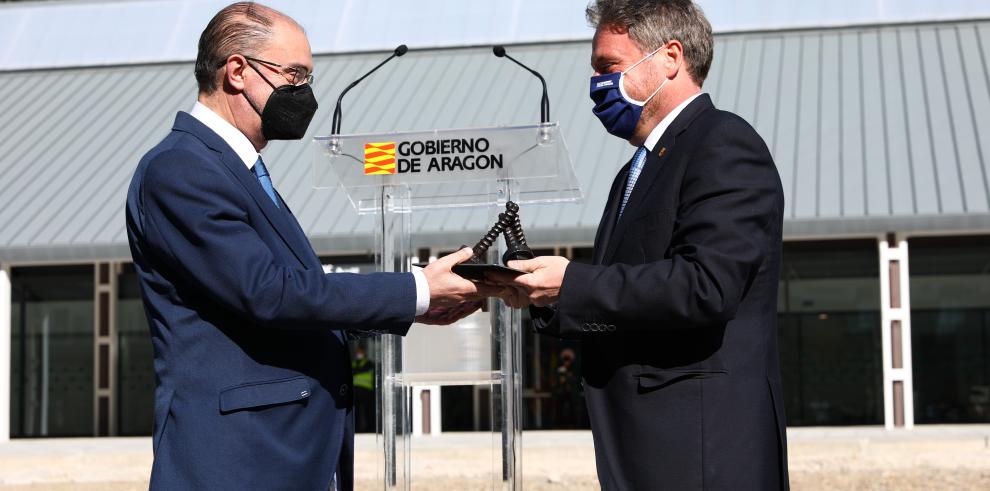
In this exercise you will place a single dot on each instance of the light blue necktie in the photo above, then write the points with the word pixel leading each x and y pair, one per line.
pixel 637 167
pixel 266 181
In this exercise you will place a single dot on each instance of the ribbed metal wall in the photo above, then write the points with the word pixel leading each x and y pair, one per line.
pixel 872 128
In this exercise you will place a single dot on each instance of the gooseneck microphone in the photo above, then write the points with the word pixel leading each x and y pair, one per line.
pixel 499 51
pixel 335 127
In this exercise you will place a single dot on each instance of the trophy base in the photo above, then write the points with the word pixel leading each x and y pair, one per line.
pixel 476 272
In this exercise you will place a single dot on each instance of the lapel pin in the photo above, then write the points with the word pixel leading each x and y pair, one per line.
pixel 663 150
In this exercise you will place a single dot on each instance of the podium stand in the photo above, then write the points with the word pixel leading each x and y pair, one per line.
pixel 393 175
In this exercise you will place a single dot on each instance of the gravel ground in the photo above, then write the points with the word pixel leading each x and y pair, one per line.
pixel 941 457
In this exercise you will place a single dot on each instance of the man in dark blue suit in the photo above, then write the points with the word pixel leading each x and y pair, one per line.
pixel 253 370
pixel 677 312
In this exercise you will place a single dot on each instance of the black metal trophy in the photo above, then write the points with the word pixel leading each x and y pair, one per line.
pixel 509 226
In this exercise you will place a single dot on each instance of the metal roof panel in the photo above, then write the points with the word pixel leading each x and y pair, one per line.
pixel 864 135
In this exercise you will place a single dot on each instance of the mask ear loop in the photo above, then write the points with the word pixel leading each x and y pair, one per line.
pixel 263 77
pixel 655 92
pixel 642 60
pixel 622 88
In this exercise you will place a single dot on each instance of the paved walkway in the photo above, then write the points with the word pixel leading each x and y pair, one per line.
pixel 929 457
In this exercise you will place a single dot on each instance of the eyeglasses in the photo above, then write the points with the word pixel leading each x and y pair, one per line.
pixel 293 75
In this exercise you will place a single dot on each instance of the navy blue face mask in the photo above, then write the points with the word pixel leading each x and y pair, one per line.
pixel 619 112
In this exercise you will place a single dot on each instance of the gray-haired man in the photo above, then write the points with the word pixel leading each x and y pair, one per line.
pixel 677 314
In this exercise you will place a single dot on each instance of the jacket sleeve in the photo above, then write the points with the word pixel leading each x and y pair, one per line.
pixel 196 222
pixel 729 199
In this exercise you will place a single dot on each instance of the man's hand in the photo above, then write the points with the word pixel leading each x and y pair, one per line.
pixel 541 285
pixel 514 297
pixel 448 290
pixel 442 316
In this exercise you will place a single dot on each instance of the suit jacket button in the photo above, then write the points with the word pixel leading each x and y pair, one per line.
pixel 343 389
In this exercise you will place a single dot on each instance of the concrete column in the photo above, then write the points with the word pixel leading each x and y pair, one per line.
pixel 426 410
pixel 105 349
pixel 895 313
pixel 5 339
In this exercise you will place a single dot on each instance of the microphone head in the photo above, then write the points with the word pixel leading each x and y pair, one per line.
pixel 400 50
pixel 498 50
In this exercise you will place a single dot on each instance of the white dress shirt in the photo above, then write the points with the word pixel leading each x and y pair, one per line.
pixel 231 135
pixel 247 153
pixel 657 133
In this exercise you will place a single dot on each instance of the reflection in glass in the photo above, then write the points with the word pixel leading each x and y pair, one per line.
pixel 829 333
pixel 52 351
pixel 553 394
pixel 364 350
pixel 829 341
pixel 950 329
pixel 135 358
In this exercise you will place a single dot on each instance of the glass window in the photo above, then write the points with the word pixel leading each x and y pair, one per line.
pixel 465 408
pixel 364 350
pixel 829 333
pixel 583 254
pixel 52 351
pixel 950 329
pixel 349 264
pixel 135 359
pixel 553 393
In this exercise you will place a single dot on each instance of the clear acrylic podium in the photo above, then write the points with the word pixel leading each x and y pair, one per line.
pixel 393 175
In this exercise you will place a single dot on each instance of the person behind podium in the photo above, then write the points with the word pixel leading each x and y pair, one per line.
pixel 677 313
pixel 251 359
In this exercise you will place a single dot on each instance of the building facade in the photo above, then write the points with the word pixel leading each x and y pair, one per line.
pixel 881 134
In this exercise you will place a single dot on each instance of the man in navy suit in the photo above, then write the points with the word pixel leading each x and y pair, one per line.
pixel 677 312
pixel 251 360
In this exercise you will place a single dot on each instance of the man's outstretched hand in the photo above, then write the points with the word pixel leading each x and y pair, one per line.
pixel 452 297
pixel 539 287
pixel 442 316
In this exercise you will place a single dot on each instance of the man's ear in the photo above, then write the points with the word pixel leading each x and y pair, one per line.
pixel 233 73
pixel 673 57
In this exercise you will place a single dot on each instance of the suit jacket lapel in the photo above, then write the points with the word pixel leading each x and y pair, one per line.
pixel 607 224
pixel 300 234
pixel 278 218
pixel 649 173
pixel 652 169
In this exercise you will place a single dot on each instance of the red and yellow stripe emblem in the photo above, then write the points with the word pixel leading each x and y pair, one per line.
pixel 379 158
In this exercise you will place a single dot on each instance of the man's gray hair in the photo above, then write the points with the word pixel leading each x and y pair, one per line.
pixel 241 28
pixel 653 23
